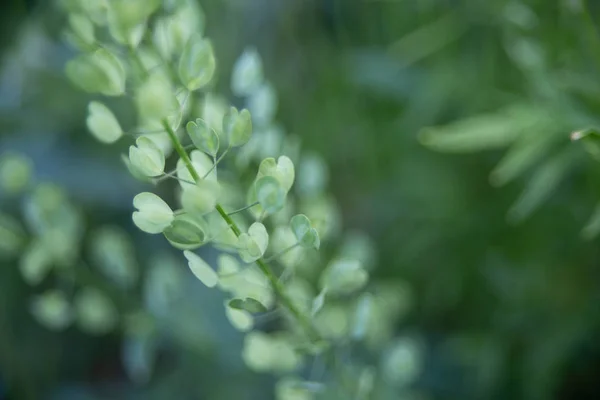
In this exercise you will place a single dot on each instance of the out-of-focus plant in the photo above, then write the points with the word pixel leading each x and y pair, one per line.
pixel 84 277
pixel 284 257
pixel 535 129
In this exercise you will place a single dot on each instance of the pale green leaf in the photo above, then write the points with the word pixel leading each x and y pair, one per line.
pixel 153 215
pixel 52 310
pixel 203 137
pixel 270 194
pixel 252 245
pixel 240 319
pixel 306 235
pixel 35 263
pixel 201 198
pixel 113 253
pixel 201 269
pixel 15 172
pixel 147 158
pixel 362 316
pixel 401 363
pixel 237 127
pixel 187 232
pixel 247 73
pixel 262 105
pixel 155 99
pixel 343 276
pixel 282 170
pixel 102 123
pixel 98 72
pixel 197 64
pixel 95 313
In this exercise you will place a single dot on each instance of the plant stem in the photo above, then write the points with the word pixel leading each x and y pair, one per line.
pixel 277 286
pixel 282 252
pixel 243 209
pixel 215 163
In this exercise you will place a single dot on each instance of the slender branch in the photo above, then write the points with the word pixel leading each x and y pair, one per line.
pixel 282 252
pixel 277 286
pixel 215 163
pixel 243 208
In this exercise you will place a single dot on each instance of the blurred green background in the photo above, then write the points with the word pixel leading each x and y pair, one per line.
pixel 507 302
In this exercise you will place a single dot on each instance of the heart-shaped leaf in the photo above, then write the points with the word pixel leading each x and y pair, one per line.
pixel 252 245
pixel 197 64
pixel 237 126
pixel 307 235
pixel 146 157
pixel 203 137
pixel 153 215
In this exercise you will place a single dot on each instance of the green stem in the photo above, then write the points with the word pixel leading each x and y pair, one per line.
pixel 277 286
pixel 215 163
pixel 239 210
pixel 282 252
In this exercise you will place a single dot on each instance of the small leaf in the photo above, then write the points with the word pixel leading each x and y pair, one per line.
pixel 240 319
pixel 197 64
pixel 262 105
pixel 155 99
pixel 102 123
pixel 147 158
pixel 401 363
pixel 82 30
pixel 282 170
pixel 113 253
pixel 187 232
pixel 252 245
pixel 313 175
pixel 343 276
pixel 127 19
pixel 270 194
pixel 201 198
pixel 98 72
pixel 248 304
pixel 270 353
pixel 237 126
pixel 362 316
pixel 203 137
pixel 15 172
pixel 201 269
pixel 96 314
pixel 307 235
pixel 35 263
pixel 247 73
pixel 52 310
pixel 153 215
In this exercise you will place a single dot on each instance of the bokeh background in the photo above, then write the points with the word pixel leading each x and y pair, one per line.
pixel 506 290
